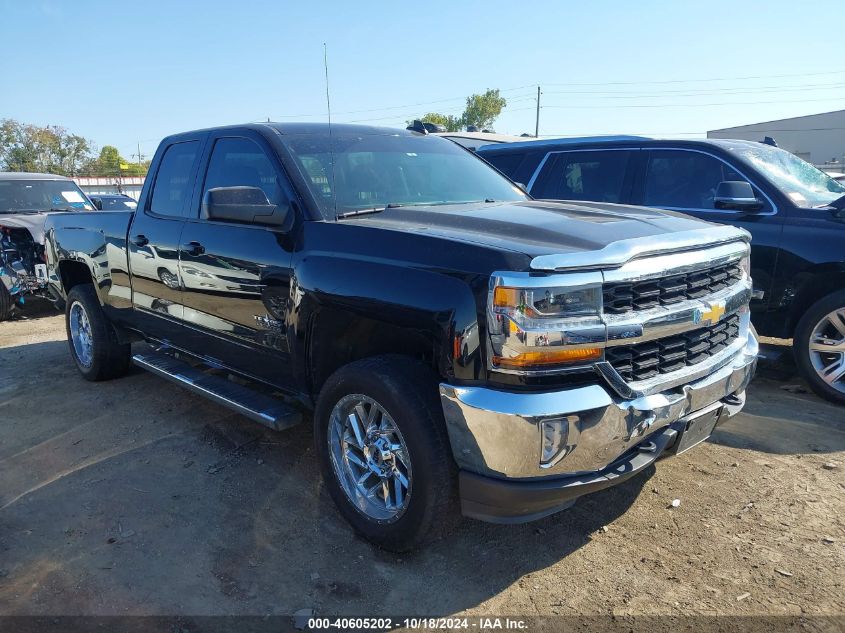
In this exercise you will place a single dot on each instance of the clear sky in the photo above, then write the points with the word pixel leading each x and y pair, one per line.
pixel 123 73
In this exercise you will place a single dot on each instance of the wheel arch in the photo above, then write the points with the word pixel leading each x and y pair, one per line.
pixel 815 285
pixel 73 273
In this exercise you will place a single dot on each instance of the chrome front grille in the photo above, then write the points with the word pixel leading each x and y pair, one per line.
pixel 642 361
pixel 623 296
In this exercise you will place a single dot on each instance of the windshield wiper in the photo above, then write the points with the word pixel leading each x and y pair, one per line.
pixel 350 214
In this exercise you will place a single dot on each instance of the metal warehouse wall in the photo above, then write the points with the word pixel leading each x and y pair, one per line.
pixel 817 138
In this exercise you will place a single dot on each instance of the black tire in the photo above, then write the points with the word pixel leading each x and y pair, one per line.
pixel 5 302
pixel 407 391
pixel 109 358
pixel 801 346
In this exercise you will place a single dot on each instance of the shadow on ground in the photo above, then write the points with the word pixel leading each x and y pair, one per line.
pixel 781 413
pixel 136 497
pixel 33 308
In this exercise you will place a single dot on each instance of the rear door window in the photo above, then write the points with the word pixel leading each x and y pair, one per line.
pixel 175 179
pixel 596 176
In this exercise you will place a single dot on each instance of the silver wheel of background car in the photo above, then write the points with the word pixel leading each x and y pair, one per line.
pixel 370 458
pixel 169 279
pixel 80 334
pixel 827 349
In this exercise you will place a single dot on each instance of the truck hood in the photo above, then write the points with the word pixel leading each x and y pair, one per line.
pixel 538 228
pixel 33 222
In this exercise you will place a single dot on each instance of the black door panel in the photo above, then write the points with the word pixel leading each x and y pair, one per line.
pixel 236 277
pixel 154 239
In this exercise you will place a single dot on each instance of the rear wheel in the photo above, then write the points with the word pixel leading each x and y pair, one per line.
pixel 384 452
pixel 820 347
pixel 93 342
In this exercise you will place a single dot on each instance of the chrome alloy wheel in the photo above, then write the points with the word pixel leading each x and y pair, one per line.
pixel 370 458
pixel 80 334
pixel 827 349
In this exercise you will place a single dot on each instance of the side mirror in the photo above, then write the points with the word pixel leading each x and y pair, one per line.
pixel 98 204
pixel 248 205
pixel 736 195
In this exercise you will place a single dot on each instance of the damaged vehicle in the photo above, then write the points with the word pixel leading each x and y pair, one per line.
pixel 26 200
pixel 453 341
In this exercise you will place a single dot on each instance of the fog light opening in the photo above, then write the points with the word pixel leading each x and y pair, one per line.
pixel 554 436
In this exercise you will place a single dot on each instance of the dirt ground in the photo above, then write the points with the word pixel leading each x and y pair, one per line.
pixel 136 497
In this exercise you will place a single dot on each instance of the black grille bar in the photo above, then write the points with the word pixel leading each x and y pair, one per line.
pixel 666 355
pixel 622 297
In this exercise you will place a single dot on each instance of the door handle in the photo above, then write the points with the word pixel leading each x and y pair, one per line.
pixel 195 249
pixel 140 240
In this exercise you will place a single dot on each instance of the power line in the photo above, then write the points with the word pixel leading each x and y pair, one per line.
pixel 681 81
pixel 407 105
pixel 532 96
pixel 691 105
pixel 697 93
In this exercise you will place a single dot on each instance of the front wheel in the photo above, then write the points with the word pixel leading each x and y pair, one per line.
pixel 93 342
pixel 384 452
pixel 820 347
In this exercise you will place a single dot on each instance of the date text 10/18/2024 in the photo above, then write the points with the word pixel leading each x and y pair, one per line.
pixel 478 623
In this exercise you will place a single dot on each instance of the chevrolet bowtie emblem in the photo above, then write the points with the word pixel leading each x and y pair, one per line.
pixel 711 315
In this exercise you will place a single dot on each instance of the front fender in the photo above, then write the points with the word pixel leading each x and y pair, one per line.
pixel 404 303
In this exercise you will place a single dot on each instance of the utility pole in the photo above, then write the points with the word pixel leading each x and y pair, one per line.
pixel 139 155
pixel 537 121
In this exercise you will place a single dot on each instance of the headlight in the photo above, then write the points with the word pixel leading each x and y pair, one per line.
pixel 544 303
pixel 540 322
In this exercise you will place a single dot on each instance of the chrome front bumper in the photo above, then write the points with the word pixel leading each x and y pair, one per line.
pixel 498 433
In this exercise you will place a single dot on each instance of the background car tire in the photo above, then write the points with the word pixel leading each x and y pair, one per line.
pixel 5 303
pixel 108 357
pixel 803 354
pixel 407 390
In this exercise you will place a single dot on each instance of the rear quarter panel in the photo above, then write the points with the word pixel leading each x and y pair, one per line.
pixel 97 241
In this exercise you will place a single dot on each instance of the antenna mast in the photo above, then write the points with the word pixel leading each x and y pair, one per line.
pixel 331 141
pixel 328 99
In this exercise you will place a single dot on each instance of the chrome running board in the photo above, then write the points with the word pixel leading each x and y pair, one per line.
pixel 255 405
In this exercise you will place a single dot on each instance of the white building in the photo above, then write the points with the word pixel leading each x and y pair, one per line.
pixel 129 185
pixel 817 138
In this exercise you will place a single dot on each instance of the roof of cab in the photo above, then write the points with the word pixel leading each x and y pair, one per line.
pixel 317 129
pixel 600 140
pixel 29 175
pixel 546 142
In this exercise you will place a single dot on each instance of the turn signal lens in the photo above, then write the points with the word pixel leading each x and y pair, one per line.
pixel 504 297
pixel 548 357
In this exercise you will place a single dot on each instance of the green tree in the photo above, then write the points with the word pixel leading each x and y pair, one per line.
pixel 52 149
pixel 481 111
pixel 450 122
pixel 109 161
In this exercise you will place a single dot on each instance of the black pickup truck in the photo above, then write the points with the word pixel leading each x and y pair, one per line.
pixel 451 338
pixel 794 212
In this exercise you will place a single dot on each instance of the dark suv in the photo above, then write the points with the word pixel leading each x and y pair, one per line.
pixel 794 212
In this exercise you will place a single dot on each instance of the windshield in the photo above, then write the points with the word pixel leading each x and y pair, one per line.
pixel 805 185
pixel 375 171
pixel 22 196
